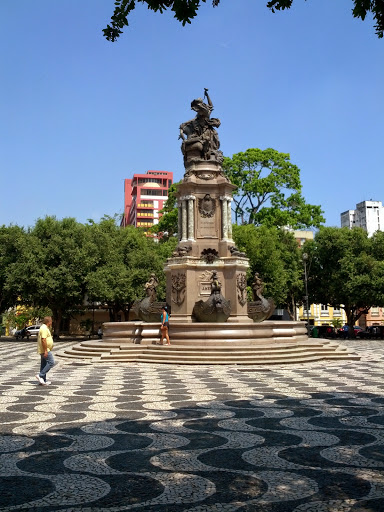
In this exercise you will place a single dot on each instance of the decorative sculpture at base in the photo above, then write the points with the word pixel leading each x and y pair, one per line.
pixel 261 308
pixel 217 308
pixel 148 309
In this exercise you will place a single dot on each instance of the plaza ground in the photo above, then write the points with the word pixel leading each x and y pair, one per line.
pixel 162 438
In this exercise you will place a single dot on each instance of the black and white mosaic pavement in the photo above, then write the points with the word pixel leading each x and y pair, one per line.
pixel 157 438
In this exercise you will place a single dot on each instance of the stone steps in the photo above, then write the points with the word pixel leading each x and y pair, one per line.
pixel 221 353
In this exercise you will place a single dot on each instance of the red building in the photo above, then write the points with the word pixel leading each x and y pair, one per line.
pixel 144 196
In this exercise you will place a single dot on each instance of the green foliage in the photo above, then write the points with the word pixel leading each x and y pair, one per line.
pixel 360 10
pixel 274 254
pixel 168 222
pixel 186 10
pixel 125 260
pixel 25 316
pixel 52 265
pixel 269 190
pixel 56 265
pixel 337 323
pixel 346 270
pixel 11 240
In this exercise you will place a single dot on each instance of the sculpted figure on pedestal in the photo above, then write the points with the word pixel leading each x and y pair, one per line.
pixel 217 308
pixel 150 287
pixel 200 139
pixel 260 308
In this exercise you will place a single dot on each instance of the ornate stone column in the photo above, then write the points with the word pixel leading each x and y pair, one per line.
pixel 191 218
pixel 183 219
pixel 224 217
pixel 179 233
pixel 229 221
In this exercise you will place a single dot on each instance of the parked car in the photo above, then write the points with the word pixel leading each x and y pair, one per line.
pixel 344 331
pixel 372 332
pixel 33 330
pixel 323 331
pixel 22 333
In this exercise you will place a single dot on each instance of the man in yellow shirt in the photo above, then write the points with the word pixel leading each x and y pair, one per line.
pixel 44 348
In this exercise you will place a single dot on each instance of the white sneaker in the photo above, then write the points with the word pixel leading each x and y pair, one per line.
pixel 48 382
pixel 41 381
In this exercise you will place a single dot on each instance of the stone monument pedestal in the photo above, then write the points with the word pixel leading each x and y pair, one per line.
pixel 205 245
pixel 205 272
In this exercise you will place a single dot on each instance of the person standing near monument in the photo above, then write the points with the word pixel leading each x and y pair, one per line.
pixel 44 348
pixel 164 326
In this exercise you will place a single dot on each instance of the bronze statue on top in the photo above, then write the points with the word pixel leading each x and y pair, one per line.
pixel 200 139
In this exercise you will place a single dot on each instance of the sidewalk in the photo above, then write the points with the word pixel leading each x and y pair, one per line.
pixel 163 438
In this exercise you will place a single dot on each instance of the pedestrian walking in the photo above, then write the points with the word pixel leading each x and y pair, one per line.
pixel 164 326
pixel 44 348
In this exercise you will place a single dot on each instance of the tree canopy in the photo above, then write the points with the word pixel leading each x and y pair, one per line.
pixel 346 269
pixel 11 241
pixel 186 10
pixel 125 260
pixel 168 222
pixel 60 264
pixel 275 255
pixel 54 259
pixel 269 190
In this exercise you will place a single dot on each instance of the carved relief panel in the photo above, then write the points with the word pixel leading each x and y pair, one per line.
pixel 207 222
pixel 241 282
pixel 178 288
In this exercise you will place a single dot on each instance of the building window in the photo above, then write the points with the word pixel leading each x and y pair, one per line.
pixel 145 213
pixel 375 311
pixel 336 311
pixel 153 192
pixel 324 310
pixel 145 204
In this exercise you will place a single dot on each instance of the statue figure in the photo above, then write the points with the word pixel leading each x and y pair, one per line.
pixel 257 287
pixel 150 287
pixel 236 252
pixel 215 285
pixel 261 308
pixel 148 309
pixel 217 308
pixel 181 251
pixel 200 139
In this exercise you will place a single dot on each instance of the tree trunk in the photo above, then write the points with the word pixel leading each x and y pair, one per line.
pixel 57 315
pixel 126 311
pixel 291 308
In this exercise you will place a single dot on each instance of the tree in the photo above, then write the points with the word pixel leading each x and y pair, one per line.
pixel 269 190
pixel 274 254
pixel 11 240
pixel 53 262
pixel 186 10
pixel 346 270
pixel 125 260
pixel 168 222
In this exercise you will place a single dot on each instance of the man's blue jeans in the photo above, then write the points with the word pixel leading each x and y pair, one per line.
pixel 46 365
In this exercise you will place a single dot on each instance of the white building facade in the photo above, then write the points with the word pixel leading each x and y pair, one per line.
pixel 368 215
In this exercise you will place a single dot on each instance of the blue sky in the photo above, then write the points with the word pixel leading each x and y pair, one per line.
pixel 80 114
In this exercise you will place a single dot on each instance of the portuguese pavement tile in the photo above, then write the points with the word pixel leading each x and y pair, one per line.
pixel 164 438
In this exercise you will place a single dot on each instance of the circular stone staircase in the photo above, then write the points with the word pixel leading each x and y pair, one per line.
pixel 208 343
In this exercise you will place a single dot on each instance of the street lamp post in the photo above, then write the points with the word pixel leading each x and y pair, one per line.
pixel 305 259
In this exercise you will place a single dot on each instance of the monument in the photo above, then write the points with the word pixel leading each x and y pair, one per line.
pixel 211 320
pixel 204 199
